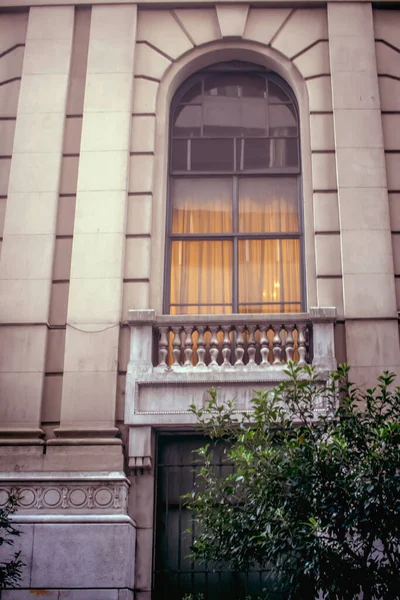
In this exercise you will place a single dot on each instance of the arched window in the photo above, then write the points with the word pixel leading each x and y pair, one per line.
pixel 234 232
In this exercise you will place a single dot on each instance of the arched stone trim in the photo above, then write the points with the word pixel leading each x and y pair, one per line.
pixel 177 73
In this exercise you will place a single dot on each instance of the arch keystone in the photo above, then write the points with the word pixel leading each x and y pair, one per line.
pixel 232 20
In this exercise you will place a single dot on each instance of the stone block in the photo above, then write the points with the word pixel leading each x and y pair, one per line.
pixel 320 94
pixel 396 252
pixel 397 287
pixel 44 57
pixel 65 215
pixel 27 256
pixel 23 543
pixel 141 173
pixel 100 212
pixel 142 500
pixel 51 403
pixel 29 594
pixel 366 251
pixel 16 309
pixel 13 27
pixel 143 130
pixel 361 167
pixel 91 348
pixel 321 129
pixel 314 61
pixel 31 213
pixel 394 207
pixel 374 344
pixel 9 94
pixel 59 303
pixel 120 401
pixel 5 167
pixel 135 295
pixel 386 26
pixel 201 24
pixel 113 22
pixel 363 208
pixel 123 348
pixel 50 23
pixel 149 62
pixel 387 61
pixel 35 172
pixel 11 64
pixel 391 131
pixel 88 399
pixel 23 392
pixel 262 24
pixel 105 131
pixel 162 31
pixel 144 545
pixel 97 255
pixel 369 295
pixel 94 300
pixel 90 555
pixel 137 258
pixel 350 20
pixel 366 377
pixel 326 214
pixel 328 256
pixel 232 19
pixel 303 28
pixel 352 54
pixel 139 214
pixel 22 349
pixel 144 96
pixel 96 594
pixel 3 202
pixel 69 174
pixel 330 293
pixel 72 135
pixel 393 171
pixel 358 128
pixel 55 351
pixel 7 130
pixel 62 259
pixel 355 90
pixel 324 171
pixel 117 59
pixel 108 91
pixel 35 97
pixel 100 171
pixel 389 92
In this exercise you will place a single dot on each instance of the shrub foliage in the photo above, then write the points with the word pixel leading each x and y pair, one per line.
pixel 314 494
pixel 11 569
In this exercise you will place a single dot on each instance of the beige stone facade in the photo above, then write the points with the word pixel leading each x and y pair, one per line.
pixel 85 96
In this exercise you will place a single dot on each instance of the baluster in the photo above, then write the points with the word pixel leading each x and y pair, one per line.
pixel 176 347
pixel 251 348
pixel 301 343
pixel 226 350
pixel 213 348
pixel 264 342
pixel 201 349
pixel 277 346
pixel 289 344
pixel 188 347
pixel 163 348
pixel 239 350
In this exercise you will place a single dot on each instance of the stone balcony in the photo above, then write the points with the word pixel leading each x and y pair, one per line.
pixel 176 359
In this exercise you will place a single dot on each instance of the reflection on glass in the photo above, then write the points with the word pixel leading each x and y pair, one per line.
pixel 179 152
pixel 268 205
pixel 211 155
pixel 187 121
pixel 283 121
pixel 269 274
pixel 201 205
pixel 201 277
pixel 276 93
pixel 260 154
pixel 193 95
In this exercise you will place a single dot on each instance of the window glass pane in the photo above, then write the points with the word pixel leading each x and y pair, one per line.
pixel 193 94
pixel 283 153
pixel 187 121
pixel 179 155
pixel 262 154
pixel 201 205
pixel 269 275
pixel 252 86
pixel 222 85
pixel 268 205
pixel 212 155
pixel 282 120
pixel 201 277
pixel 222 116
pixel 276 93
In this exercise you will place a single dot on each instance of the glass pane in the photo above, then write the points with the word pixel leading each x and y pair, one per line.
pixel 253 154
pixel 187 121
pixel 179 153
pixel 276 93
pixel 201 277
pixel 222 116
pixel 193 94
pixel 269 276
pixel 268 205
pixel 282 120
pixel 283 153
pixel 212 155
pixel 222 85
pixel 201 205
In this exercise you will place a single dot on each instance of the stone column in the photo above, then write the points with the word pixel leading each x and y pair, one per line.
pixel 30 222
pixel 367 258
pixel 91 349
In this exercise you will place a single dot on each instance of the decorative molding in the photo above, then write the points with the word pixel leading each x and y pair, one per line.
pixel 60 497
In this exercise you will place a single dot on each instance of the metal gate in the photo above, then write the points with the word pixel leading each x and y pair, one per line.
pixel 175 574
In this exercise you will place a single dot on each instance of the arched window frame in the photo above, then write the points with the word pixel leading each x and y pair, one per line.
pixel 242 69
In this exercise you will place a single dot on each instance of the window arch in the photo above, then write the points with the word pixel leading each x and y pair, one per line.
pixel 234 227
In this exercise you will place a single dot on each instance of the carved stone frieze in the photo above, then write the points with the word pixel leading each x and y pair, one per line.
pixel 59 497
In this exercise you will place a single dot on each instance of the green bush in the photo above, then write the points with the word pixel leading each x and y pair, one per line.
pixel 10 570
pixel 314 495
